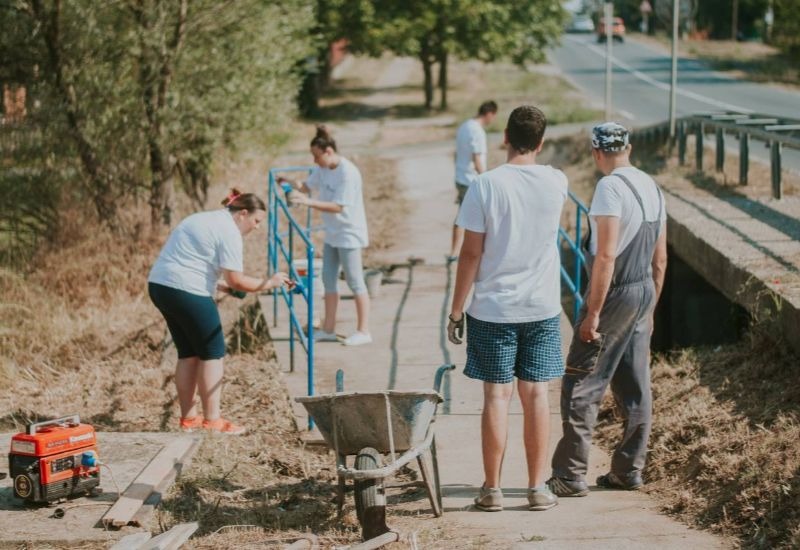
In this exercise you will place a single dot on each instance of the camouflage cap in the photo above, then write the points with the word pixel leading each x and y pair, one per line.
pixel 610 137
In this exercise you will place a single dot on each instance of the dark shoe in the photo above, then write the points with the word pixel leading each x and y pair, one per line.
pixel 567 487
pixel 489 500
pixel 541 499
pixel 612 481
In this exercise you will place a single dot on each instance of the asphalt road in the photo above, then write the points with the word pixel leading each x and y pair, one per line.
pixel 641 81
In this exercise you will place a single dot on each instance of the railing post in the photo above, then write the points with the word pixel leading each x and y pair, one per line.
pixel 698 146
pixel 578 266
pixel 744 157
pixel 682 142
pixel 291 300
pixel 775 162
pixel 720 150
pixel 310 330
pixel 272 261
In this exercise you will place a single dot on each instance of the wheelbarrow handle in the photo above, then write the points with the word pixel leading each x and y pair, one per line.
pixel 437 380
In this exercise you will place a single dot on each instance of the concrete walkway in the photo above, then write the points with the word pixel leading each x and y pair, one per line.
pixel 408 320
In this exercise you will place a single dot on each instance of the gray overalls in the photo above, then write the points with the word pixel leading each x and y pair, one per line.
pixel 621 356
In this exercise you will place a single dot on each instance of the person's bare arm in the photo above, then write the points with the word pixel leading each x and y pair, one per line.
pixel 299 185
pixel 237 280
pixel 602 273
pixel 322 206
pixel 479 167
pixel 469 260
pixel 660 262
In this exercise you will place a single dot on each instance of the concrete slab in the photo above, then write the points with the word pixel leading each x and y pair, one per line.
pixel 125 453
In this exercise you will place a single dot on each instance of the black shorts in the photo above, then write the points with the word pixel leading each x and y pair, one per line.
pixel 193 322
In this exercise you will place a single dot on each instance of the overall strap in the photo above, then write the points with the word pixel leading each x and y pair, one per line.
pixel 636 194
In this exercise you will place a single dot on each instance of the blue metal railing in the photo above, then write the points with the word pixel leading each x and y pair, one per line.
pixel 281 244
pixel 574 282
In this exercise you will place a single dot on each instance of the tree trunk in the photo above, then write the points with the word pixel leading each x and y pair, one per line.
pixel 443 80
pixel 427 69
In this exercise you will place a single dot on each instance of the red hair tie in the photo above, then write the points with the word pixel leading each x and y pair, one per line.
pixel 232 197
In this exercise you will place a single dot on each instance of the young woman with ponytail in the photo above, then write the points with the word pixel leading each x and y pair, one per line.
pixel 182 285
pixel 337 183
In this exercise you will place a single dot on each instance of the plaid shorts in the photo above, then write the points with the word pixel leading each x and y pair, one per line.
pixel 497 352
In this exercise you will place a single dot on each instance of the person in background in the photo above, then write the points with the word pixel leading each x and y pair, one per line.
pixel 337 183
pixel 182 285
pixel 511 217
pixel 471 151
pixel 626 256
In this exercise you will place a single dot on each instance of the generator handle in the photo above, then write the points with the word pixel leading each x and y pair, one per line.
pixel 33 428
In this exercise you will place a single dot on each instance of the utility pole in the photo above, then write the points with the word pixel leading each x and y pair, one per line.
pixel 674 74
pixel 609 30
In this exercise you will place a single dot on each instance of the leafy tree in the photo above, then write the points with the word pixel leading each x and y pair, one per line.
pixel 433 31
pixel 786 30
pixel 144 92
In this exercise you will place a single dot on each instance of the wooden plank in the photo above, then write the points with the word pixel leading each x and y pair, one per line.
pixel 132 542
pixel 142 516
pixel 172 539
pixel 159 468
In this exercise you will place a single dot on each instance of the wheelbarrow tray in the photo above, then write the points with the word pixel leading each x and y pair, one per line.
pixel 351 421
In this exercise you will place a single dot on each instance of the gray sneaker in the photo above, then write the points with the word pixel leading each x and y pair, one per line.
pixel 567 487
pixel 541 499
pixel 489 500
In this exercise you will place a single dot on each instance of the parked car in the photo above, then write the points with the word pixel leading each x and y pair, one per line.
pixel 617 29
pixel 581 23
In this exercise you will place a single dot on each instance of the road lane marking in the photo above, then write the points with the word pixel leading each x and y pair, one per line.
pixel 658 84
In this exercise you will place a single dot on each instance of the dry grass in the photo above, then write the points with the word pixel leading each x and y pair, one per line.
pixel 724 452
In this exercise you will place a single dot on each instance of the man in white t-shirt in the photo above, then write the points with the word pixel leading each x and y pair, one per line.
pixel 471 151
pixel 511 217
pixel 626 255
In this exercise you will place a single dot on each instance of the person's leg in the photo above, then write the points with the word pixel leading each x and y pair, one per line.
pixel 494 429
pixel 536 431
pixel 353 268
pixel 631 388
pixel 186 384
pixel 330 277
pixel 209 383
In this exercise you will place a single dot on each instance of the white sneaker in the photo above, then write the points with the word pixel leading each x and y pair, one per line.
pixel 358 339
pixel 322 336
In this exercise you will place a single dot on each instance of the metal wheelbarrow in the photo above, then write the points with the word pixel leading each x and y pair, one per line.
pixel 369 425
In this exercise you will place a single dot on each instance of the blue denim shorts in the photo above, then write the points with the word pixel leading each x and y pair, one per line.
pixel 497 352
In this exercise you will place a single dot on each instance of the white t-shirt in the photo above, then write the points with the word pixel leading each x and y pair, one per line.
pixel 613 197
pixel 196 250
pixel 342 185
pixel 518 207
pixel 470 140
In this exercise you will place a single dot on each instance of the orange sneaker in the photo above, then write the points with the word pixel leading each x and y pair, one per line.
pixel 220 425
pixel 191 423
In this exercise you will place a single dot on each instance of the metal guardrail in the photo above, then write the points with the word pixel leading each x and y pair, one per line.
pixel 281 244
pixel 776 133
pixel 574 282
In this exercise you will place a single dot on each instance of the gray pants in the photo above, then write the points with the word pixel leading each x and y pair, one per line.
pixel 622 358
pixel 335 258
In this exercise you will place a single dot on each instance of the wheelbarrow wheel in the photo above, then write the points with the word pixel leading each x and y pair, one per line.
pixel 369 496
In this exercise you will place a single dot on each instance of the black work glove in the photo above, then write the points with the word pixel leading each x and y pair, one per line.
pixel 455 329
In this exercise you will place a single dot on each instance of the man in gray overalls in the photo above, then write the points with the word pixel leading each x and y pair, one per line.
pixel 626 256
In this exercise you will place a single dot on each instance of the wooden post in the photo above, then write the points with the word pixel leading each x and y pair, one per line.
pixel 744 157
pixel 720 149
pixel 682 143
pixel 698 146
pixel 777 187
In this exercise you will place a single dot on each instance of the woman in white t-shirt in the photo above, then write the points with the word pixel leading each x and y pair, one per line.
pixel 182 285
pixel 337 183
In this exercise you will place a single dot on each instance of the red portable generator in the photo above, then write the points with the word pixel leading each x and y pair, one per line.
pixel 54 460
